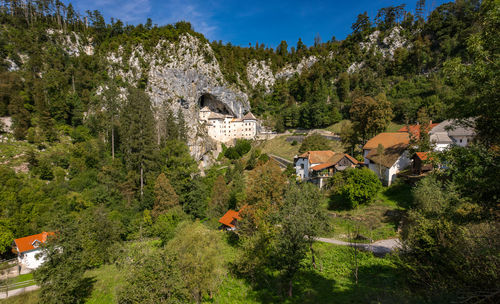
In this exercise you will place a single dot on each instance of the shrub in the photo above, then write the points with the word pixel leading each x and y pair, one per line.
pixel 314 143
pixel 353 187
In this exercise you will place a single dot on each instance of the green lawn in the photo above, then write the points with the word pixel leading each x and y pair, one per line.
pixel 378 220
pixel 107 279
pixel 280 147
pixel 379 281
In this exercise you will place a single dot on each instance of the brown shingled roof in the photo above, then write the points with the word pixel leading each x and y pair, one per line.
pixel 318 157
pixel 389 157
pixel 388 140
pixel 249 116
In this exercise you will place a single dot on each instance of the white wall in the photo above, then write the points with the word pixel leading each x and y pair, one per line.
pixel 302 172
pixel 402 163
pixel 389 175
pixel 461 141
pixel 30 260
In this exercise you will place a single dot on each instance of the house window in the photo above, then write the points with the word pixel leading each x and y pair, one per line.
pixel 460 140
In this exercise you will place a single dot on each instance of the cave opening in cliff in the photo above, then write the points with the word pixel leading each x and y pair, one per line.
pixel 214 104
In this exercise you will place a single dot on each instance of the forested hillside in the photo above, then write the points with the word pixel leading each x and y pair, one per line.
pixel 105 149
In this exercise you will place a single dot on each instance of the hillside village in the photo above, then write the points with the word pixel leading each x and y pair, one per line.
pixel 145 163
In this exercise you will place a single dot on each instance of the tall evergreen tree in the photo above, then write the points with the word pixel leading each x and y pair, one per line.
pixel 138 134
pixel 165 196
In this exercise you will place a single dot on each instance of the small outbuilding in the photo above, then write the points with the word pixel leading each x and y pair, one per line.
pixel 229 220
pixel 29 251
pixel 420 163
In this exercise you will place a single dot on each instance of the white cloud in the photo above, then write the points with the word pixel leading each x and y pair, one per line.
pixel 198 14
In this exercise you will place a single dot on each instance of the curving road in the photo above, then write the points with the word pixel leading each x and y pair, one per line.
pixel 381 247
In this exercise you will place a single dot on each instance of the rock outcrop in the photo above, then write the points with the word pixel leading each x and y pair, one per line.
pixel 181 76
pixel 260 73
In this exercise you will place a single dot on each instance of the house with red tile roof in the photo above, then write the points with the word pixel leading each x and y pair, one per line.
pixel 394 157
pixel 229 219
pixel 317 166
pixel 414 130
pixel 29 251
pixel 421 162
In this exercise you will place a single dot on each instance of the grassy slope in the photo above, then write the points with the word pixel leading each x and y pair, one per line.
pixel 378 220
pixel 280 147
pixel 392 127
pixel 331 282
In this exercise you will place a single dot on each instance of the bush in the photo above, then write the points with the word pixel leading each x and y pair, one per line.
pixel 242 146
pixel 314 143
pixel 231 153
pixel 353 187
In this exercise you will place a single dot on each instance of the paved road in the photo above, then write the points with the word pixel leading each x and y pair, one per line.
pixel 281 161
pixel 381 247
pixel 16 292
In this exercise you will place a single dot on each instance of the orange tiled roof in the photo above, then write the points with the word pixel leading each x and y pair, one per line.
pixel 26 243
pixel 322 166
pixel 415 129
pixel 318 157
pixel 228 218
pixel 388 140
pixel 334 160
pixel 352 159
pixel 422 155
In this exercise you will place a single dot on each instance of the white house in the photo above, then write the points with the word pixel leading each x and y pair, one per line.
pixel 223 127
pixel 29 252
pixel 394 158
pixel 449 132
pixel 303 163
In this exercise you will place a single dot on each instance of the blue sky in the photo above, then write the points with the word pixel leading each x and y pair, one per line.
pixel 244 22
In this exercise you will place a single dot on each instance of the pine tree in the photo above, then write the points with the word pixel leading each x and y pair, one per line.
pixel 111 104
pixel 220 198
pixel 172 129
pixel 138 134
pixel 181 125
pixel 165 196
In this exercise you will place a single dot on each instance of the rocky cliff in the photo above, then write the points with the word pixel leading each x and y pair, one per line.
pixel 181 76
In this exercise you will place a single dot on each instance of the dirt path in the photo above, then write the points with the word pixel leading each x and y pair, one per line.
pixel 381 247
pixel 16 292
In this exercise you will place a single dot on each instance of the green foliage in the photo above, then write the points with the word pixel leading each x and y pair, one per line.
pixel 198 253
pixel 166 224
pixel 353 187
pixel 165 196
pixel 314 142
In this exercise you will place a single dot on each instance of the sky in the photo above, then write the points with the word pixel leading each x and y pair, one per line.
pixel 243 22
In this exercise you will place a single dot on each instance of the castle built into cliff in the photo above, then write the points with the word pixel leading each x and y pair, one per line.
pixel 224 127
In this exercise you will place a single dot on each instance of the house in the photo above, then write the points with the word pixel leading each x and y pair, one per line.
pixel 303 163
pixel 229 220
pixel 29 251
pixel 317 166
pixel 393 159
pixel 449 132
pixel 339 162
pixel 225 127
pixel 414 130
pixel 420 163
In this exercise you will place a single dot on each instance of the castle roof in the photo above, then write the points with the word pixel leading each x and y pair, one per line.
pixel 214 115
pixel 249 116
pixel 205 109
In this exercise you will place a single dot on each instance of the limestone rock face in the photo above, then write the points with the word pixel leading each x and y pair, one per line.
pixel 386 46
pixel 181 76
pixel 260 73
